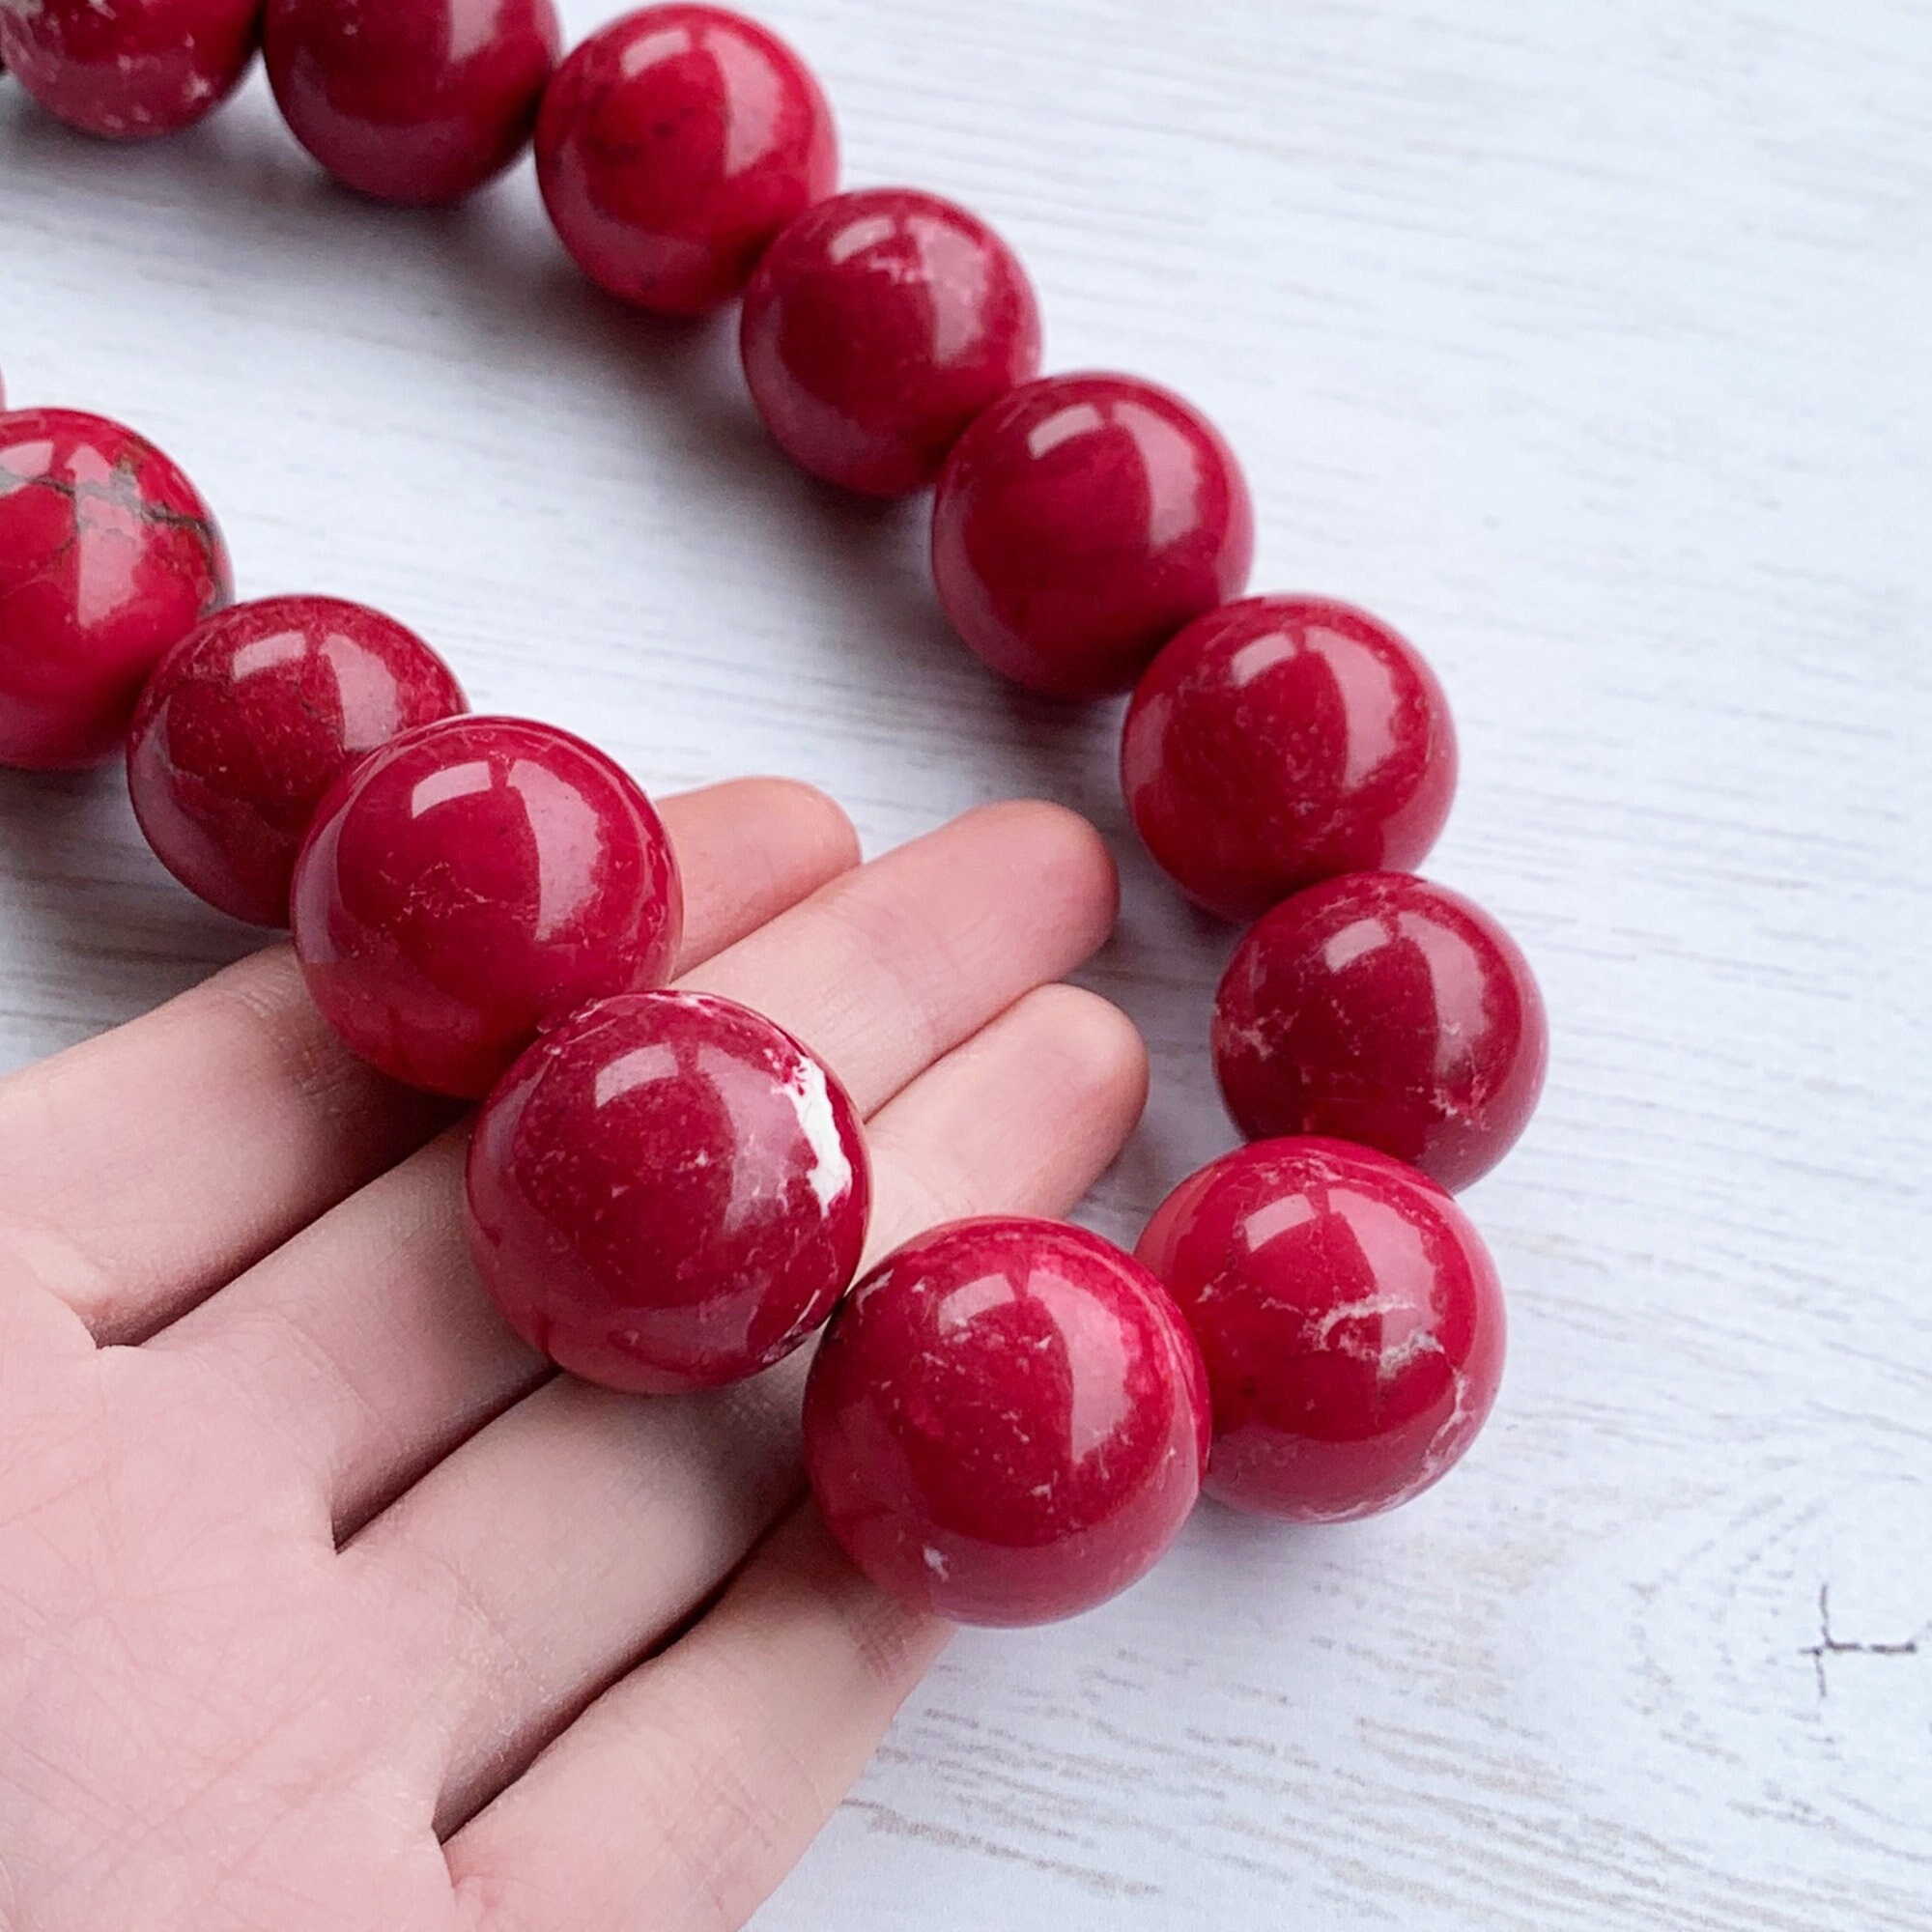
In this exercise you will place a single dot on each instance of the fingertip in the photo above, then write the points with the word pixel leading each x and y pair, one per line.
pixel 748 850
pixel 1099 1054
pixel 806 828
pixel 1050 849
pixel 819 825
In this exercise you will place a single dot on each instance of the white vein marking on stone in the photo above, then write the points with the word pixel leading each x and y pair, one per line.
pixel 1390 1357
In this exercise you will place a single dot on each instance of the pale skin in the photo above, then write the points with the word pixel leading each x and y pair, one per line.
pixel 325 1606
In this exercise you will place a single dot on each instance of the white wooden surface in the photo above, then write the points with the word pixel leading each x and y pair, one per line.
pixel 1587 340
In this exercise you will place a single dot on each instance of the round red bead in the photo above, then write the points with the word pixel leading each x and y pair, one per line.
pixel 674 145
pixel 1384 1010
pixel 412 101
pixel 1005 1422
pixel 249 719
pixel 108 556
pixel 471 883
pixel 1281 741
pixel 667 1192
pixel 1080 523
pixel 1350 1317
pixel 877 327
pixel 129 68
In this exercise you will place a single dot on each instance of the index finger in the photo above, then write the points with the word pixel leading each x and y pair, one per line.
pixel 141 1170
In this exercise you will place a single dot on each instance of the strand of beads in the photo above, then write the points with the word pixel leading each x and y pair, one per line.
pixel 1317 1302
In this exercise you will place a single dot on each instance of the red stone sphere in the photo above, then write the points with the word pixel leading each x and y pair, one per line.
pixel 1281 741
pixel 876 328
pixel 1350 1319
pixel 674 145
pixel 412 101
pixel 250 719
pixel 1081 522
pixel 1382 1009
pixel 108 557
pixel 667 1192
pixel 127 69
pixel 1006 1422
pixel 469 885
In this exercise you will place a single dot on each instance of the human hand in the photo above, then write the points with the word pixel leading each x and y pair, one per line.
pixel 325 1605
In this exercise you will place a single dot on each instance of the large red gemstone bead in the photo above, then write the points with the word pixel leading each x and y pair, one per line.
pixel 1080 523
pixel 877 327
pixel 473 883
pixel 1283 740
pixel 1382 1009
pixel 674 145
pixel 667 1192
pixel 412 101
pixel 1006 1422
pixel 108 556
pixel 129 68
pixel 250 719
pixel 1351 1320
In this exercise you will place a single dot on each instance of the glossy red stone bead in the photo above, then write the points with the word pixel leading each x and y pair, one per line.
pixel 1281 741
pixel 1080 523
pixel 1006 1422
pixel 108 556
pixel 1351 1320
pixel 876 328
pixel 473 883
pixel 675 144
pixel 127 69
pixel 1382 1009
pixel 667 1192
pixel 412 101
pixel 249 719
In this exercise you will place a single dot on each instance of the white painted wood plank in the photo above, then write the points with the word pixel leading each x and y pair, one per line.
pixel 1588 343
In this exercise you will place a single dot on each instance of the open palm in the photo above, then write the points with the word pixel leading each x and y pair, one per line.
pixel 323 1604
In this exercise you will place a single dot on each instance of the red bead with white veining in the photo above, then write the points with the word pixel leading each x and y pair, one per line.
pixel 108 557
pixel 412 101
pixel 1006 1422
pixel 667 1192
pixel 1281 741
pixel 877 327
pixel 249 719
pixel 1351 1320
pixel 675 144
pixel 1380 1007
pixel 1082 521
pixel 127 69
pixel 473 883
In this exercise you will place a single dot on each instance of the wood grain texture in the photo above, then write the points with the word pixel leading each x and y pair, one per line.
pixel 1587 342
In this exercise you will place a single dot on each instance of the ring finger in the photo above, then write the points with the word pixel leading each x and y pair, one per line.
pixel 555 1550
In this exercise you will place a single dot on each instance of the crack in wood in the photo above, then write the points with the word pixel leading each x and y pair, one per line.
pixel 1829 1645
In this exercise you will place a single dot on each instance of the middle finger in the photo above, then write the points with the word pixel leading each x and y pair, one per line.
pixel 368 1347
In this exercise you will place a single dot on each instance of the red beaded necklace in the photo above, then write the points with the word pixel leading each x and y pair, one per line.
pixel 1006 1421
